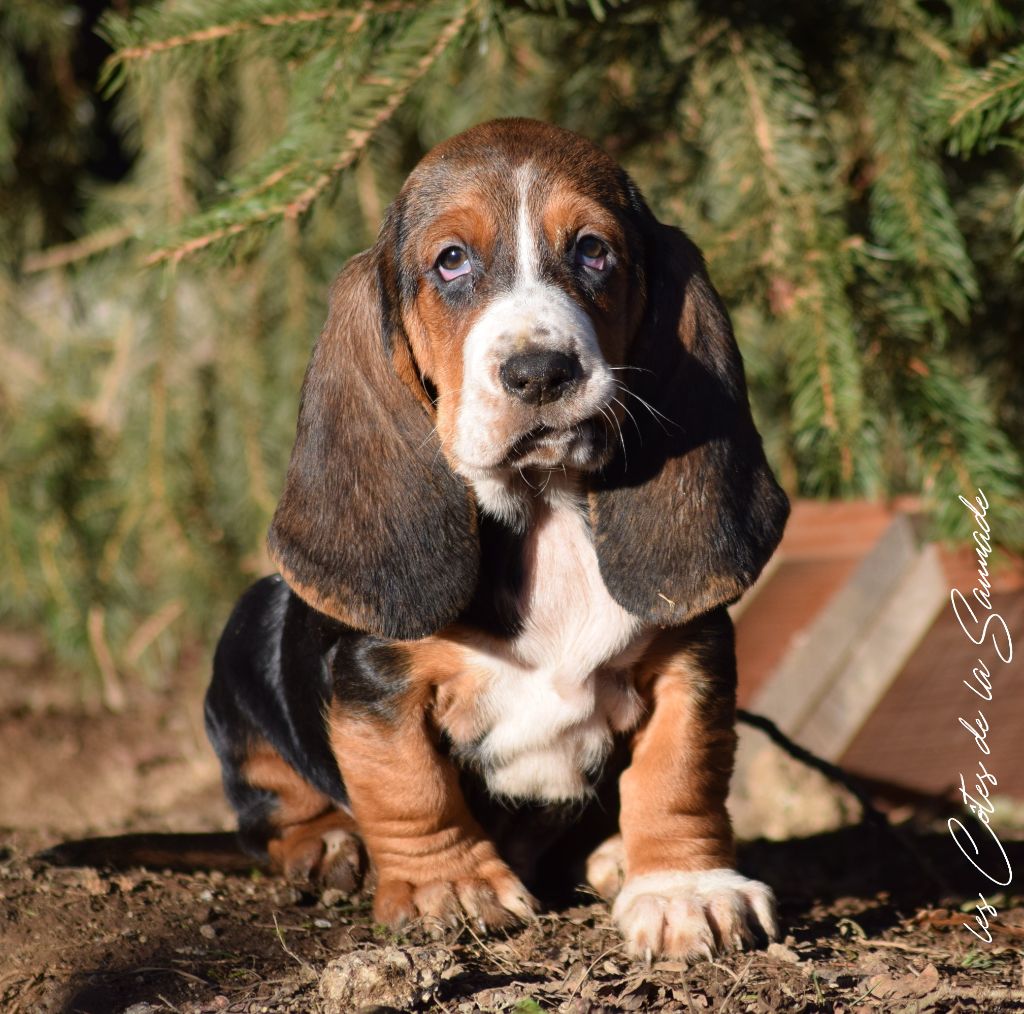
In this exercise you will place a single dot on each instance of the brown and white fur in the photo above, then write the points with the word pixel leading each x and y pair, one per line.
pixel 524 487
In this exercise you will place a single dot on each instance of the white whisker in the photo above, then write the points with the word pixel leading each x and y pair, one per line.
pixel 426 438
pixel 639 369
pixel 523 477
pixel 655 414
pixel 606 413
pixel 622 405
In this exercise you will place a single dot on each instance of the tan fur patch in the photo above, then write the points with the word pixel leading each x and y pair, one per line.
pixel 406 798
pixel 566 214
pixel 297 800
pixel 431 857
pixel 673 814
pixel 306 823
pixel 437 331
pixel 536 713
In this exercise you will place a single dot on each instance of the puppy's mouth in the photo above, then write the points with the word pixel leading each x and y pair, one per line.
pixel 580 445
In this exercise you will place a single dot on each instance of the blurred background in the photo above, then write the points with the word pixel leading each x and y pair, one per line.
pixel 181 180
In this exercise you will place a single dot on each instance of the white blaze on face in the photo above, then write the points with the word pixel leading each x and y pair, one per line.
pixel 527 250
pixel 531 314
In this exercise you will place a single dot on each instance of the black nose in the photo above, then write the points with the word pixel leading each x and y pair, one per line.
pixel 539 377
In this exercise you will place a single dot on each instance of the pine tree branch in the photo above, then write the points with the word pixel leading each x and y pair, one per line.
pixel 354 141
pixel 983 102
pixel 987 95
pixel 762 134
pixel 804 250
pixel 1018 223
pixel 218 32
pixel 978 21
pixel 910 209
pixel 88 246
pixel 908 17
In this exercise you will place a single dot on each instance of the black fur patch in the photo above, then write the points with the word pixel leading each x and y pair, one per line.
pixel 495 608
pixel 688 516
pixel 271 684
pixel 372 527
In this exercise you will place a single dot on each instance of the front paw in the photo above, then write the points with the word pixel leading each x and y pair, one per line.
pixel 693 916
pixel 488 895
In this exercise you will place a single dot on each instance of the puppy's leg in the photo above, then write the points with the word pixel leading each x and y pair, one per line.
pixel 307 836
pixel 681 896
pixel 265 704
pixel 432 859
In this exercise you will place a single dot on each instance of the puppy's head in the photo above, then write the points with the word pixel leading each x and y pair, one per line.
pixel 522 312
pixel 517 254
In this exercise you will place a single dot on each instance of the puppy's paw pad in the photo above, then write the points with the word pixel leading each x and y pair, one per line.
pixel 693 916
pixel 606 867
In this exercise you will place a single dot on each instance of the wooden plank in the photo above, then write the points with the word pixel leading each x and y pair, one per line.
pixel 914 738
pixel 775 621
pixel 879 654
pixel 808 671
pixel 834 528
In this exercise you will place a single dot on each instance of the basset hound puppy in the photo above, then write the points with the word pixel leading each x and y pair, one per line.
pixel 524 487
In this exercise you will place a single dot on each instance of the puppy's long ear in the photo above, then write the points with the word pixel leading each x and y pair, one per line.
pixel 373 528
pixel 685 520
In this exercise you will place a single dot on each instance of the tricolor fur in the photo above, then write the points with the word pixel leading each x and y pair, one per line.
pixel 524 486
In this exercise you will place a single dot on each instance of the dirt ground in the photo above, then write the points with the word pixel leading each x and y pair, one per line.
pixel 872 918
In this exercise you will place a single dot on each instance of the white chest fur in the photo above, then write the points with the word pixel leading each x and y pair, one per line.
pixel 551 697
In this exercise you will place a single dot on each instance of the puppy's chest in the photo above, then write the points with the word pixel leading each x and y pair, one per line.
pixel 536 713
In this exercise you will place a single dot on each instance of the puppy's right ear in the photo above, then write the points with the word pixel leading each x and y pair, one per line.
pixel 373 528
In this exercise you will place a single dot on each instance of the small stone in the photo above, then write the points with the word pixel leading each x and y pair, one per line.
pixel 286 896
pixel 383 977
pixel 782 953
pixel 322 923
pixel 93 882
pixel 676 967
pixel 207 931
pixel 126 882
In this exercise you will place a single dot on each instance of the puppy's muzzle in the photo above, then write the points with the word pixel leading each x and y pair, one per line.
pixel 540 376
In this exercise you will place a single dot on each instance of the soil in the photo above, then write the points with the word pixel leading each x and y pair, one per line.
pixel 872 917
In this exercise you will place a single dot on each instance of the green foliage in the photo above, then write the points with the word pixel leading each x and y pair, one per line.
pixel 982 102
pixel 852 170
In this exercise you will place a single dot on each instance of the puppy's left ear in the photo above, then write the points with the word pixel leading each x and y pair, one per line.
pixel 688 516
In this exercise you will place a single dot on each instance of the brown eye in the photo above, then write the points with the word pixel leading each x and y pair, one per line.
pixel 591 252
pixel 453 262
